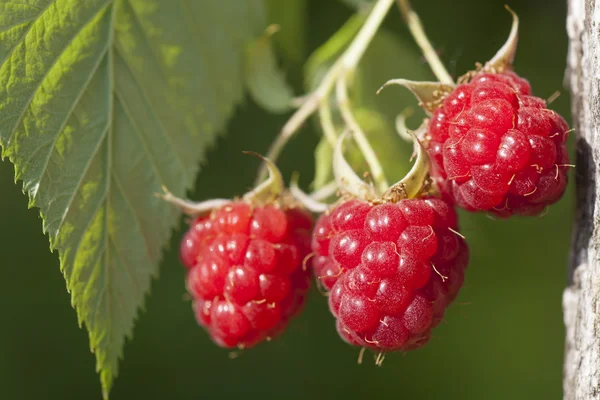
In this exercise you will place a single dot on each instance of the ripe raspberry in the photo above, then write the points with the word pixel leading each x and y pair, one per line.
pixel 497 148
pixel 244 271
pixel 392 269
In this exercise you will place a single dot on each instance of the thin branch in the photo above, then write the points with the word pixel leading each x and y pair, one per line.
pixel 416 29
pixel 345 64
pixel 326 121
pixel 359 136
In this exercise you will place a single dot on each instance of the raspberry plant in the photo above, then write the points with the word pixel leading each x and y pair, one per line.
pixel 108 108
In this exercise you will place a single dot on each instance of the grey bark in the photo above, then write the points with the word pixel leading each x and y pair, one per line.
pixel 581 299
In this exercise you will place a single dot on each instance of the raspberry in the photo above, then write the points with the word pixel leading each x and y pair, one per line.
pixel 391 269
pixel 244 270
pixel 497 148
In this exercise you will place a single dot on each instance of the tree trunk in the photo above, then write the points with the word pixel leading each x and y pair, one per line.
pixel 581 299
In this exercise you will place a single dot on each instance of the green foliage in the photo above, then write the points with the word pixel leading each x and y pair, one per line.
pixel 103 102
pixel 292 17
pixel 265 81
pixel 374 112
pixel 357 3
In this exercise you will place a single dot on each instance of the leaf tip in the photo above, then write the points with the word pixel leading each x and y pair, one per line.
pixel 106 380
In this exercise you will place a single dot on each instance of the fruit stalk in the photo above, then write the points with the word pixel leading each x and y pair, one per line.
pixel 344 66
pixel 359 136
pixel 416 29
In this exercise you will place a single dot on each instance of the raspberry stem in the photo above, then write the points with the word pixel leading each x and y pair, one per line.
pixel 191 207
pixel 326 121
pixel 345 65
pixel 416 29
pixel 359 136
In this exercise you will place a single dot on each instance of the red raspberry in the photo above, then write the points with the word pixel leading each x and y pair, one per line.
pixel 245 271
pixel 496 148
pixel 392 269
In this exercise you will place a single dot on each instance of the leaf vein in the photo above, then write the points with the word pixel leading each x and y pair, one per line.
pixel 141 136
pixel 50 67
pixel 101 293
pixel 70 112
pixel 109 150
pixel 184 169
pixel 83 174
pixel 127 268
pixel 18 42
pixel 119 185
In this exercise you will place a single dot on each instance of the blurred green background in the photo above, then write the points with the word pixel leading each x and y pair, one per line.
pixel 503 337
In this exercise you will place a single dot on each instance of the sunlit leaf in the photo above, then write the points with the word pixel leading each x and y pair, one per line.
pixel 101 103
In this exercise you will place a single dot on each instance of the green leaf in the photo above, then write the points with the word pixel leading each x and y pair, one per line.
pixel 357 4
pixel 101 103
pixel 324 57
pixel 265 81
pixel 387 57
pixel 292 17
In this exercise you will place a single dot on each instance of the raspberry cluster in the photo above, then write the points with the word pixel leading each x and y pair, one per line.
pixel 245 271
pixel 497 148
pixel 392 269
pixel 391 259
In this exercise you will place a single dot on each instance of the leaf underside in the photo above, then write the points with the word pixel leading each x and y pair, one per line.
pixel 101 103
